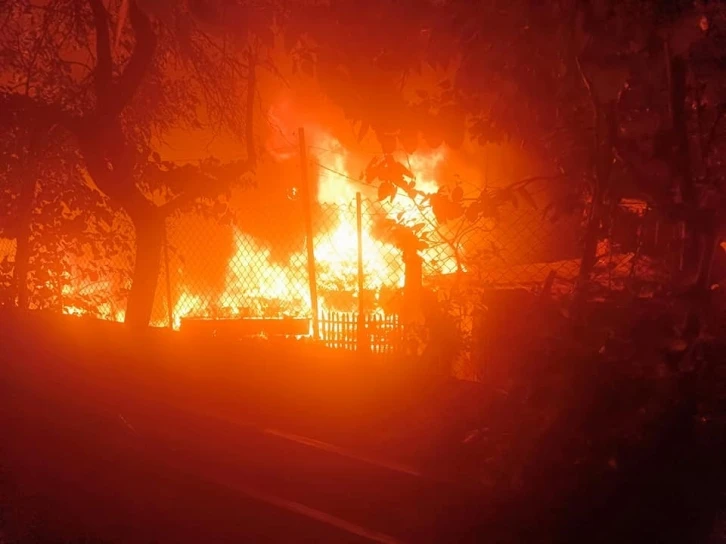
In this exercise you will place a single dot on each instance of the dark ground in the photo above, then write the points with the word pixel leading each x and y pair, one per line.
pixel 109 436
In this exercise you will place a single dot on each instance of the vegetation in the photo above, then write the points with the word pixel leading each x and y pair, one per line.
pixel 619 105
pixel 113 95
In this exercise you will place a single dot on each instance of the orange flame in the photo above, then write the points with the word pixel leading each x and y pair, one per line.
pixel 282 288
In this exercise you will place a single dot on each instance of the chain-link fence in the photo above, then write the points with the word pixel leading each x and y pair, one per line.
pixel 244 266
pixel 8 249
pixel 267 283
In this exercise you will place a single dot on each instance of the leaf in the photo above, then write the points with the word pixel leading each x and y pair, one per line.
pixel 408 140
pixel 397 173
pixel 417 227
pixel 456 210
pixel 386 190
pixel 374 168
pixel 473 211
pixel 411 189
pixel 364 126
pixel 438 206
pixel 434 136
pixel 457 194
pixel 452 124
pixel 388 143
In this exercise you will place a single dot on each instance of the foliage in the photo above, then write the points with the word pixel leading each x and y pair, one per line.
pixel 364 59
pixel 75 238
pixel 588 87
pixel 166 66
pixel 456 214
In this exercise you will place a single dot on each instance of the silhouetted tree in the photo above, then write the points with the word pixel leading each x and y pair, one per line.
pixel 600 90
pixel 167 65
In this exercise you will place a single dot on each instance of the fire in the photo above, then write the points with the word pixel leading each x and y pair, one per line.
pixel 185 306
pixel 103 310
pixel 275 290
pixel 255 286
pixel 73 288
pixel 283 289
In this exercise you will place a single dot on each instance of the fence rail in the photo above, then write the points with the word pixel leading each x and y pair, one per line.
pixel 374 333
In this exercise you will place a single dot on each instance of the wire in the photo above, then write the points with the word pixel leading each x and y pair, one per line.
pixel 341 174
pixel 343 151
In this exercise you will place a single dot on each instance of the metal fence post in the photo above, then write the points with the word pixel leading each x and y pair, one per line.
pixel 170 306
pixel 361 326
pixel 307 204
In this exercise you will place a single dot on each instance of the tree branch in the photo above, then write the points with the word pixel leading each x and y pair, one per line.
pixel 20 106
pixel 249 121
pixel 712 133
pixel 588 83
pixel 639 177
pixel 114 184
pixel 112 97
pixel 527 181
pixel 104 63
pixel 217 183
pixel 137 67
pixel 207 184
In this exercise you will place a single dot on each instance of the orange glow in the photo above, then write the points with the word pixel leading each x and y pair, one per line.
pixel 254 285
pixel 104 310
pixel 282 289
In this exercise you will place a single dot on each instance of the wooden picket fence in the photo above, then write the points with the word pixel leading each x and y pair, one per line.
pixel 381 334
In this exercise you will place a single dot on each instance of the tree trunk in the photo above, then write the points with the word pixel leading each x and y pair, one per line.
pixel 606 133
pixel 149 242
pixel 413 285
pixel 592 236
pixel 22 251
pixel 690 254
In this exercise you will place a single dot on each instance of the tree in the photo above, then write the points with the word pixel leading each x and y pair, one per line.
pixel 52 213
pixel 168 65
pixel 589 86
pixel 436 72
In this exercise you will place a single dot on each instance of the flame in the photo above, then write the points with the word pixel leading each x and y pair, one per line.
pixel 73 288
pixel 256 286
pixel 282 289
